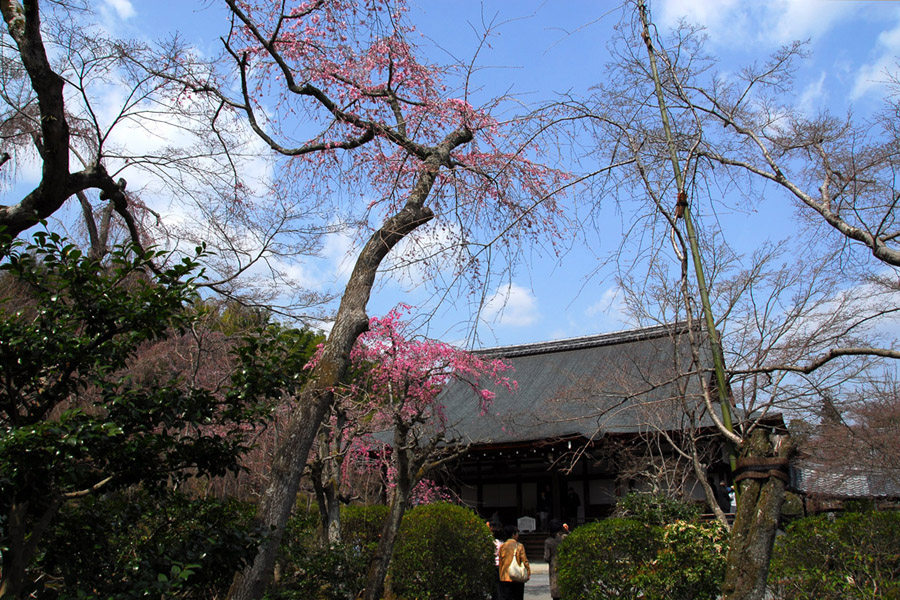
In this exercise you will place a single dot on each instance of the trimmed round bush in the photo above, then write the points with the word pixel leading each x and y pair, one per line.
pixel 854 556
pixel 604 559
pixel 627 558
pixel 443 551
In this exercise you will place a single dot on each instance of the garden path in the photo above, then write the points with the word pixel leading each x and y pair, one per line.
pixel 538 587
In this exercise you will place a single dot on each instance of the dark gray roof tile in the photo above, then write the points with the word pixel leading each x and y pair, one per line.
pixel 614 383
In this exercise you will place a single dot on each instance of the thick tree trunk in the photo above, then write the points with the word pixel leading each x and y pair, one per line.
pixel 53 146
pixel 315 400
pixel 378 568
pixel 758 513
pixel 331 526
pixel 25 532
pixel 329 505
pixel 325 475
pixel 278 500
pixel 409 473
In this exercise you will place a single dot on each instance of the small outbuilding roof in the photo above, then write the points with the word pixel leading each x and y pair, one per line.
pixel 830 481
pixel 624 382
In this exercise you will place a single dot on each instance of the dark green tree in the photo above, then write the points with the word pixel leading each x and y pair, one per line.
pixel 77 419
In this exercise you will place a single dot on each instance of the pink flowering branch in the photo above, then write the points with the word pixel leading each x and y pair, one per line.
pixel 337 87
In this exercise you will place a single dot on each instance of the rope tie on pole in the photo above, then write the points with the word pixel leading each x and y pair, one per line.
pixel 761 468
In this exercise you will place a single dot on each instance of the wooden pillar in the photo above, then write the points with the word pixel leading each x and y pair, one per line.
pixel 555 496
pixel 479 485
pixel 518 464
pixel 585 487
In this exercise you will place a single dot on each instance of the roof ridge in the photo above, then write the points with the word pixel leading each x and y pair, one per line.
pixel 587 341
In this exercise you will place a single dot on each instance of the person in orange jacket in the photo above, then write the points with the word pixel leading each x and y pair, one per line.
pixel 511 550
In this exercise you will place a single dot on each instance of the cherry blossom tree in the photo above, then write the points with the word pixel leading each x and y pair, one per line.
pixel 337 89
pixel 360 131
pixel 399 385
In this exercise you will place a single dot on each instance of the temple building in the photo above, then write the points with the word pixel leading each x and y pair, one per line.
pixel 591 419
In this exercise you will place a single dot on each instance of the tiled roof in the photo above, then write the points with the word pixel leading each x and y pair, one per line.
pixel 841 482
pixel 613 383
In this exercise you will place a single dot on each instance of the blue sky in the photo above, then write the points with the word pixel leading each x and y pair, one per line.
pixel 542 48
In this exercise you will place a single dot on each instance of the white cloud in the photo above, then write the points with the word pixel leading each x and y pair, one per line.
pixel 769 23
pixel 812 97
pixel 326 271
pixel 873 76
pixel 609 312
pixel 513 306
pixel 802 19
pixel 610 300
pixel 123 8
pixel 426 251
pixel 340 251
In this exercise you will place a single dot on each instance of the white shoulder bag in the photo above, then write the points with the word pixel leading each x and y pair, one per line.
pixel 517 571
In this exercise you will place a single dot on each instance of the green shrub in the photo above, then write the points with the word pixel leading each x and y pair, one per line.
pixel 627 558
pixel 604 559
pixel 859 505
pixel 690 564
pixel 855 556
pixel 361 525
pixel 655 509
pixel 307 570
pixel 336 572
pixel 131 545
pixel 442 551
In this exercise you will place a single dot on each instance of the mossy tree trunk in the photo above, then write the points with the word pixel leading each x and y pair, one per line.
pixel 758 513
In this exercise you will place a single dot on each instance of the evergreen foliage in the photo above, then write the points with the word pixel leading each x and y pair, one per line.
pixel 655 509
pixel 78 418
pixel 626 558
pixel 854 556
pixel 604 559
pixel 361 524
pixel 443 551
pixel 131 544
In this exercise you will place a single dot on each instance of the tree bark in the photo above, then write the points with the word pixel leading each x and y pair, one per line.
pixel 25 532
pixel 57 183
pixel 48 196
pixel 287 467
pixel 328 502
pixel 758 513
pixel 409 473
pixel 378 568
pixel 315 400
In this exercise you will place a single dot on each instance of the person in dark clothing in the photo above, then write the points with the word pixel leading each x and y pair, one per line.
pixel 721 493
pixel 572 504
pixel 544 506
pixel 551 549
